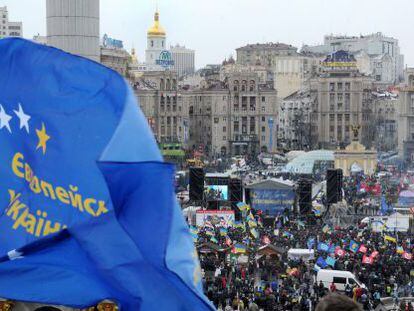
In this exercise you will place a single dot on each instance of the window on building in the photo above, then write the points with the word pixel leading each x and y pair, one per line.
pixel 347 86
pixel 263 129
pixel 331 118
pixel 224 137
pixel 346 117
pixel 331 87
pixel 263 119
pixel 412 105
pixel 340 97
pixel 263 99
pixel 263 138
pixel 340 86
pixel 236 103
pixel 236 126
pixel 252 125
pixel 216 120
pixel 152 43
pixel 339 117
pixel 252 103
pixel 244 125
pixel 263 109
pixel 224 119
pixel 244 103
pixel 224 129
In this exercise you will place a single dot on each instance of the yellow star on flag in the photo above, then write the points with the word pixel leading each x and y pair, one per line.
pixel 43 138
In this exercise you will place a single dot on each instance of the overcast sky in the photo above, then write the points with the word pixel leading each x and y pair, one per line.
pixel 214 28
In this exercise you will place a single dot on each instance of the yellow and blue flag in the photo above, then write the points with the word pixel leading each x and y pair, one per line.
pixel 239 248
pixel 390 239
pixel 252 223
pixel 87 205
pixel 243 206
pixel 223 231
pixel 254 233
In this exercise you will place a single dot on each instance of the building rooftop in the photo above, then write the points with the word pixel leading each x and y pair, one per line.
pixel 268 46
pixel 340 57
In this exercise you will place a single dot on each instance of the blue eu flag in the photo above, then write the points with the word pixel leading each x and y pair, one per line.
pixel 88 208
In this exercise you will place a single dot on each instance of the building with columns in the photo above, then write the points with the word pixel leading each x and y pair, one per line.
pixel 343 100
pixel 286 67
pixel 162 105
pixel 233 116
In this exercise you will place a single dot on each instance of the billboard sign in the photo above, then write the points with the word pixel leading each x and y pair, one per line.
pixel 112 43
pixel 223 218
pixel 275 201
pixel 165 59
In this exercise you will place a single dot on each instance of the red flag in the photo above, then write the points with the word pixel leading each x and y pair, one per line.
pixel 266 240
pixel 362 249
pixel 376 190
pixel 339 252
pixel 407 256
pixel 367 260
pixel 374 254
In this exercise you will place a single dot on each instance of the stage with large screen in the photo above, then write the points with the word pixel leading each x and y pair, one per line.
pixel 216 192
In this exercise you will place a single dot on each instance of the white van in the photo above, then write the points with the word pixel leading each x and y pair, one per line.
pixel 301 253
pixel 340 278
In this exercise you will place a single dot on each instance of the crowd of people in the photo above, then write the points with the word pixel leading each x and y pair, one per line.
pixel 239 275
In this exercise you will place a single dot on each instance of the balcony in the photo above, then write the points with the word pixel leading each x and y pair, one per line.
pixel 245 138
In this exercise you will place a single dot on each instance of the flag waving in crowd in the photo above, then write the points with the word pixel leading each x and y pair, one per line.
pixel 88 208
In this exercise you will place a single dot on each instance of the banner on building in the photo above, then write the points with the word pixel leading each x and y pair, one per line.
pixel 273 201
pixel 220 218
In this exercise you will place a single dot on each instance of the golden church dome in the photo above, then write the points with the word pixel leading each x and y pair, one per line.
pixel 156 29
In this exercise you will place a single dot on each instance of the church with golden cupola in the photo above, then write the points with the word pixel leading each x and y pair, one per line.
pixel 156 42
